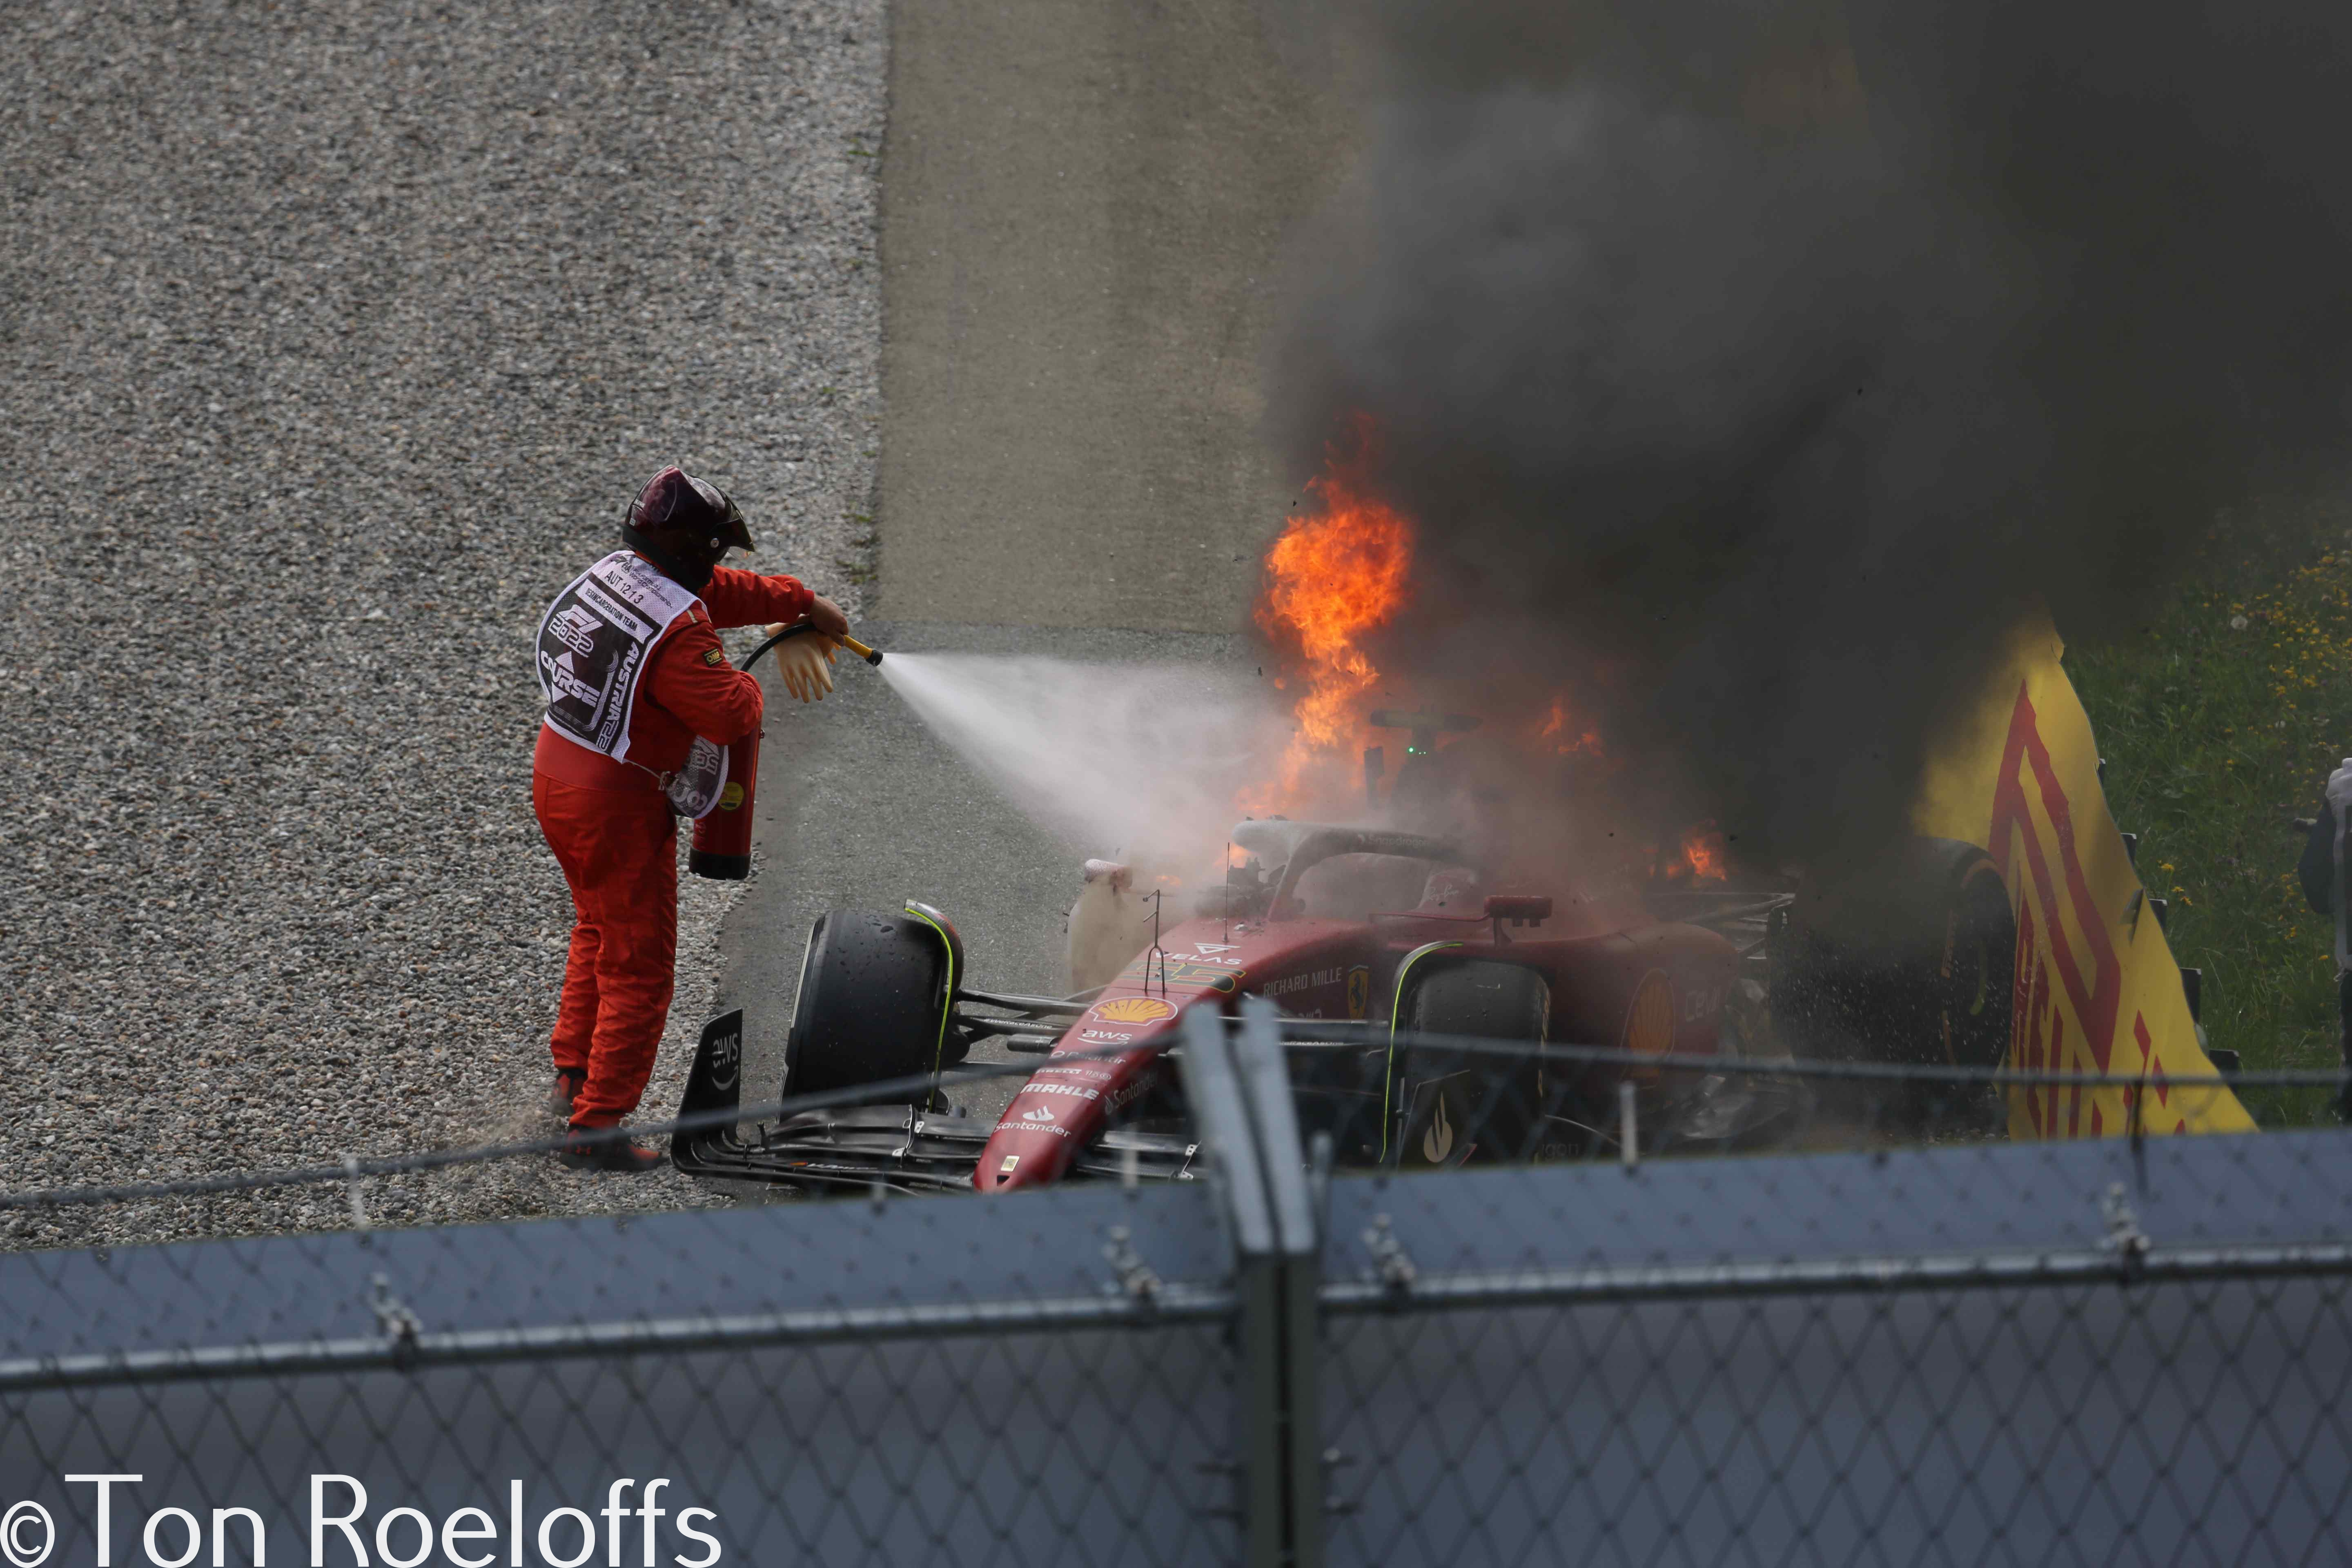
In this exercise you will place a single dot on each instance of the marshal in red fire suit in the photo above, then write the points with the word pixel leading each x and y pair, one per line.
pixel 611 828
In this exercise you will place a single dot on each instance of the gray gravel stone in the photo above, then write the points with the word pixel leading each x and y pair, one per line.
pixel 334 337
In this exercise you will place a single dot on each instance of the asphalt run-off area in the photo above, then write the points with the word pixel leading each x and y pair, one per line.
pixel 1084 211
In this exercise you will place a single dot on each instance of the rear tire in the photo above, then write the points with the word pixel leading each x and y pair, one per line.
pixel 1457 1105
pixel 874 998
pixel 1913 963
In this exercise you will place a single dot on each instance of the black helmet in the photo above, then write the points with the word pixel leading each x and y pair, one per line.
pixel 689 518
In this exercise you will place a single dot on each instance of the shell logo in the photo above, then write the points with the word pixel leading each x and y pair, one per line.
pixel 1650 1021
pixel 730 797
pixel 1134 1010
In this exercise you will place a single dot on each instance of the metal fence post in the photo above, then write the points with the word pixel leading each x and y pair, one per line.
pixel 1213 1088
pixel 1272 1227
pixel 1297 1273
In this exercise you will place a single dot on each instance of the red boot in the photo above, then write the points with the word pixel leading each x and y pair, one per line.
pixel 604 1149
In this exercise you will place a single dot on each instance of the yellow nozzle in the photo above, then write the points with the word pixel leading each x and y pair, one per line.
pixel 871 656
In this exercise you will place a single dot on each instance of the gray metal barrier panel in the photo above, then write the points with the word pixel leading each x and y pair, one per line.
pixel 1989 1353
pixel 844 1382
pixel 1930 1355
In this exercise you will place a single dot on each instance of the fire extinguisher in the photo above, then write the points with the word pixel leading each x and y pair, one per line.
pixel 723 836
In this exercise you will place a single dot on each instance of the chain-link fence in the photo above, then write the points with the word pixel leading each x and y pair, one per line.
pixel 1896 1336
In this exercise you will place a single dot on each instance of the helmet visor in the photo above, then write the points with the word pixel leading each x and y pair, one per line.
pixel 725 518
pixel 737 533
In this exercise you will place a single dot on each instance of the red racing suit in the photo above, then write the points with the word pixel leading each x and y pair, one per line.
pixel 612 831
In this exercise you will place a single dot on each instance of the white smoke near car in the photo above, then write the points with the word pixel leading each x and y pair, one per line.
pixel 1140 763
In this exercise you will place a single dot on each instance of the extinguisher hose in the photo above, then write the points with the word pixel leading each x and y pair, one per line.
pixel 871 656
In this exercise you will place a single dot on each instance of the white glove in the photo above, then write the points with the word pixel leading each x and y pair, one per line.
pixel 806 663
pixel 2339 785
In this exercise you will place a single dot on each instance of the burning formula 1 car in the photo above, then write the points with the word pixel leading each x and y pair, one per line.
pixel 1392 939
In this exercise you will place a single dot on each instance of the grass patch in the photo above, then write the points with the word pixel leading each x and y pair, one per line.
pixel 2220 719
pixel 865 566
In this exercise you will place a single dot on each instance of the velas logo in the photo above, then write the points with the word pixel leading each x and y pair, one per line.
pixel 1133 1010
pixel 1155 969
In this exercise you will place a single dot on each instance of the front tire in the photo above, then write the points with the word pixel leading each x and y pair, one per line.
pixel 874 998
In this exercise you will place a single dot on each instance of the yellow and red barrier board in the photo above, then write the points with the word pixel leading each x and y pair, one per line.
pixel 2097 989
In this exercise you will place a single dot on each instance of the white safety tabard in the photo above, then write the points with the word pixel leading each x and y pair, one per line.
pixel 593 644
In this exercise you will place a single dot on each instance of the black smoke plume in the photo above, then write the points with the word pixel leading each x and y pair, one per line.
pixel 1753 370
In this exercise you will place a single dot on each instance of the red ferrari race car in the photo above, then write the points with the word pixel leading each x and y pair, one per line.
pixel 1377 942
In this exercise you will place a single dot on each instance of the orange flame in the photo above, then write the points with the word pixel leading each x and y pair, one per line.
pixel 1704 854
pixel 1567 735
pixel 1337 574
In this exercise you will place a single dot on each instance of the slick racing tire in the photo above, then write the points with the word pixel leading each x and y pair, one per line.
pixel 1461 1105
pixel 873 1003
pixel 1912 963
